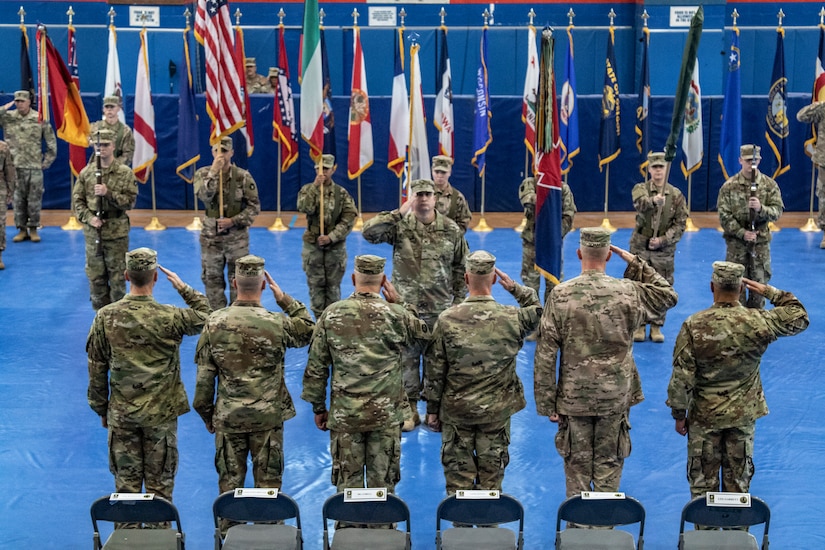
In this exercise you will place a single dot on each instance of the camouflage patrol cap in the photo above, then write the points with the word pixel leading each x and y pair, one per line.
pixel 327 161
pixel 273 72
pixel 594 237
pixel 656 159
pixel 110 100
pixel 442 162
pixel 249 266
pixel 749 151
pixel 422 186
pixel 727 273
pixel 102 136
pixel 249 62
pixel 22 94
pixel 480 262
pixel 369 264
pixel 141 259
pixel 225 144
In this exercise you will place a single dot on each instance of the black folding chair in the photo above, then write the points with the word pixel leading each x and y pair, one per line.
pixel 728 518
pixel 361 520
pixel 147 509
pixel 608 512
pixel 257 517
pixel 486 513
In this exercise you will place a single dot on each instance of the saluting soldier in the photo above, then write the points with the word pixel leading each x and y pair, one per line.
pixel 255 83
pixel 815 114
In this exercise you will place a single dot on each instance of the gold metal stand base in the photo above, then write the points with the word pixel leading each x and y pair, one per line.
pixel 608 226
pixel 196 224
pixel 71 225
pixel 359 224
pixel 482 226
pixel 521 226
pixel 690 227
pixel 155 225
pixel 810 226
pixel 773 227
pixel 278 226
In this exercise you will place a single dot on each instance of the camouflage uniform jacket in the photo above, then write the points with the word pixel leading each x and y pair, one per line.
pixel 815 114
pixel 134 358
pixel 120 196
pixel 26 135
pixel 527 196
pixel 8 174
pixel 673 215
pixel 124 140
pixel 359 342
pixel 258 84
pixel 734 214
pixel 427 260
pixel 716 360
pixel 590 319
pixel 242 347
pixel 339 213
pixel 471 361
pixel 240 198
pixel 453 204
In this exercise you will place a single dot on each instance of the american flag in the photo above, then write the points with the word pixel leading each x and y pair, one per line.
pixel 224 101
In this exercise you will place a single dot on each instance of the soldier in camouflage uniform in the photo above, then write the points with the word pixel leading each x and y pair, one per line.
pixel 26 136
pixel 527 196
pixel 815 114
pixel 751 248
pixel 255 83
pixel 225 235
pixel 101 207
pixel 449 200
pixel 241 350
pixel 715 393
pixel 134 376
pixel 358 343
pixel 472 387
pixel 655 201
pixel 273 74
pixel 427 267
pixel 122 135
pixel 8 179
pixel 324 254
pixel 590 320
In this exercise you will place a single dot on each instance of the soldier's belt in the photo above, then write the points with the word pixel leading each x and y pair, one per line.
pixel 645 232
pixel 111 214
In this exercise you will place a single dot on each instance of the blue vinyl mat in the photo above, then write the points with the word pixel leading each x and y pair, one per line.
pixel 53 456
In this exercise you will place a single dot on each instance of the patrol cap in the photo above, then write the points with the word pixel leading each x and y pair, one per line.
pixel 749 151
pixel 22 94
pixel 442 162
pixel 102 135
pixel 727 273
pixel 656 159
pixel 249 266
pixel 273 72
pixel 594 237
pixel 141 259
pixel 422 186
pixel 480 262
pixel 111 100
pixel 225 144
pixel 327 161
pixel 369 264
pixel 249 62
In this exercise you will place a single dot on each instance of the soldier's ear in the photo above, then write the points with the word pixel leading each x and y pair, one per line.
pixel 353 279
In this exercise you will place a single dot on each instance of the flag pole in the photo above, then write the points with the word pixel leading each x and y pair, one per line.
pixel 196 224
pixel 810 225
pixel 155 224
pixel 690 227
pixel 278 225
pixel 605 221
pixel 520 227
pixel 359 221
pixel 72 224
pixel 482 226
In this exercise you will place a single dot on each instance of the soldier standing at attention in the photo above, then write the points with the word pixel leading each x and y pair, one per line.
pixel 241 351
pixel 472 388
pixel 744 215
pixel 428 252
pixel 8 179
pixel 715 393
pixel 449 200
pixel 227 217
pixel 358 344
pixel 101 207
pixel 815 114
pixel 272 76
pixel 324 253
pixel 134 376
pixel 255 83
pixel 122 136
pixel 26 136
pixel 661 215
pixel 590 320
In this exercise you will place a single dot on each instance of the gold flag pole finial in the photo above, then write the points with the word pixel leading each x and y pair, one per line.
pixel 111 13
pixel 570 15
pixel 355 15
pixel 238 15
pixel 612 16
pixel 403 15
pixel 442 13
pixel 486 16
pixel 70 13
pixel 281 15
pixel 780 16
pixel 645 16
pixel 531 15
pixel 22 13
pixel 321 15
pixel 735 16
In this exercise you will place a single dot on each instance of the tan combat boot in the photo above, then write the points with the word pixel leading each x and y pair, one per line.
pixel 822 244
pixel 33 235
pixel 639 334
pixel 414 420
pixel 656 334
pixel 2 265
pixel 21 236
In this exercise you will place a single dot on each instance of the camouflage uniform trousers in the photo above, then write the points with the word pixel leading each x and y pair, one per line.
pixel 378 452
pixel 474 457
pixel 663 261
pixel 266 448
pixel 757 262
pixel 593 449
pixel 4 201
pixel 144 457
pixel 106 281
pixel 711 450
pixel 28 197
pixel 820 194
pixel 529 276
pixel 411 359
pixel 218 253
pixel 325 270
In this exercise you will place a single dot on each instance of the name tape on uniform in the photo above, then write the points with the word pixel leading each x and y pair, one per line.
pixel 257 492
pixel 365 495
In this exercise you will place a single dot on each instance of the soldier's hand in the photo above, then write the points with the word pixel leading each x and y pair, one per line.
pixel 433 422
pixel 173 278
pixel 96 222
pixel 104 422
pixel 225 224
pixel 753 286
pixel 754 204
pixel 276 290
pixel 750 236
pixel 319 176
pixel 209 426
pixel 659 200
pixel 681 427
pixel 321 420
pixel 9 105
pixel 217 165
pixel 408 205
pixel 622 253
pixel 101 189
pixel 655 243
pixel 323 240
pixel 389 292
pixel 505 281
pixel 554 417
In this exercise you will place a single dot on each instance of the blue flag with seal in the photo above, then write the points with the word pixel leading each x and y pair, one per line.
pixel 482 135
pixel 776 119
pixel 569 113
pixel 731 135
pixel 610 127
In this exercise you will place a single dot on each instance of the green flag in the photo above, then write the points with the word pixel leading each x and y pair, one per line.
pixel 683 87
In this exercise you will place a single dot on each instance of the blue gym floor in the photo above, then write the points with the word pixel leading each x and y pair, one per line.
pixel 53 457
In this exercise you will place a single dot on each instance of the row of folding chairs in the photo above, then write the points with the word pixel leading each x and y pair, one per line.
pixel 255 519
